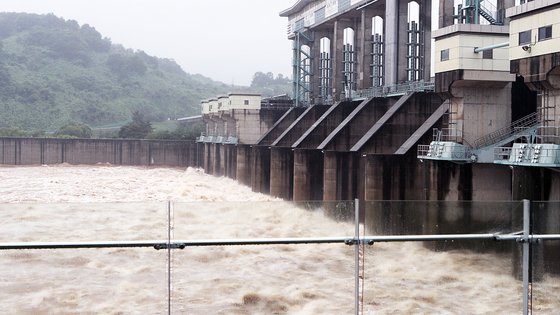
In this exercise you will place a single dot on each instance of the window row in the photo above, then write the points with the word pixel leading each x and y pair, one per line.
pixel 545 32
pixel 486 54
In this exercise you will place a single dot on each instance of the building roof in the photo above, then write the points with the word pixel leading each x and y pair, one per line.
pixel 298 6
pixel 244 94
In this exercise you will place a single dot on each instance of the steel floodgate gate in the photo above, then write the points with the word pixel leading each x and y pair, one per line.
pixel 406 256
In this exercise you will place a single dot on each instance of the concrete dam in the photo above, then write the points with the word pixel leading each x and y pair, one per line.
pixel 370 122
pixel 389 105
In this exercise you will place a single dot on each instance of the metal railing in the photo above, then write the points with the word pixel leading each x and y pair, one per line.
pixel 523 237
pixel 395 90
pixel 534 154
pixel 548 134
pixel 518 127
pixel 217 139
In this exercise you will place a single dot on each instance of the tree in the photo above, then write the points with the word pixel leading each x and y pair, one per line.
pixel 75 129
pixel 139 128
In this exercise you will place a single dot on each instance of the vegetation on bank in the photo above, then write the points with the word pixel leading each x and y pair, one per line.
pixel 59 78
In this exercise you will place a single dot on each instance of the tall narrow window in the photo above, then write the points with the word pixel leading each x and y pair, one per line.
pixel 343 5
pixel 525 37
pixel 320 15
pixel 246 102
pixel 545 32
pixel 299 25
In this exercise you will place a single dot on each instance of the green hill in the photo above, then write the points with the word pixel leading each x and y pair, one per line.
pixel 53 71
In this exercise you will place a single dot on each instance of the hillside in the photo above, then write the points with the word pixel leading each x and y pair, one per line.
pixel 53 71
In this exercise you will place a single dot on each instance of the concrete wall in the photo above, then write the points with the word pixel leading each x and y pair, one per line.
pixel 34 151
pixel 477 111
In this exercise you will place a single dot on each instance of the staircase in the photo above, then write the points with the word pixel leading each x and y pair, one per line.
pixel 487 15
pixel 488 11
pixel 519 128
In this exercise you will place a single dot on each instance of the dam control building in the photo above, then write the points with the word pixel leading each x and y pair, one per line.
pixel 392 102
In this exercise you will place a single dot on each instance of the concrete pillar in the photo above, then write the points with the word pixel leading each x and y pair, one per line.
pixel 208 158
pixel 222 161
pixel 337 57
pixel 426 23
pixel 308 175
pixel 315 64
pixel 260 169
pixel 363 50
pixel 339 177
pixel 391 41
pixel 402 32
pixel 199 159
pixel 230 158
pixel 243 166
pixel 446 11
pixel 501 6
pixel 217 170
pixel 329 176
pixel 281 172
pixel 385 178
pixel 483 107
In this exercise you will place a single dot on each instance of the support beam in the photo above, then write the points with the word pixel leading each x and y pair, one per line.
pixel 446 11
pixel 391 41
pixel 281 172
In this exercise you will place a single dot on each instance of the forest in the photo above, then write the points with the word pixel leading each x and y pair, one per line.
pixel 55 72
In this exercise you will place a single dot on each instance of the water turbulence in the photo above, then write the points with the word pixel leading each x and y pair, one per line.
pixel 103 203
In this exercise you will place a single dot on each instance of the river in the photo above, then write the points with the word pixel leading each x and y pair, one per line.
pixel 110 203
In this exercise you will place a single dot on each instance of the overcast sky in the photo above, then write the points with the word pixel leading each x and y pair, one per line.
pixel 226 40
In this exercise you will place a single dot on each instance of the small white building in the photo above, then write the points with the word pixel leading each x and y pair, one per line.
pixel 213 105
pixel 223 102
pixel 534 29
pixel 244 100
pixel 455 50
pixel 204 107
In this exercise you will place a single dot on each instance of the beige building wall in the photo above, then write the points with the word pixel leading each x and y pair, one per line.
pixel 533 21
pixel 213 105
pixel 223 102
pixel 460 41
pixel 244 101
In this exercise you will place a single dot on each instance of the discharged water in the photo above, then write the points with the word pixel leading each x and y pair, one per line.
pixel 106 203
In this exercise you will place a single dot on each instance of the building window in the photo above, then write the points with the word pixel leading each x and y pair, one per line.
pixel 246 102
pixel 488 54
pixel 545 32
pixel 299 25
pixel 444 55
pixel 525 37
pixel 320 15
pixel 343 4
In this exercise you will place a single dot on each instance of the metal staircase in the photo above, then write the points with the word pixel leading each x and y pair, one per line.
pixel 525 126
pixel 470 11
pixel 487 15
pixel 447 147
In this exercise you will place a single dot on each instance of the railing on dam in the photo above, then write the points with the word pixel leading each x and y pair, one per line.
pixel 281 257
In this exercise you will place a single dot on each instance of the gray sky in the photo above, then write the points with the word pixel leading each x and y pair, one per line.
pixel 226 40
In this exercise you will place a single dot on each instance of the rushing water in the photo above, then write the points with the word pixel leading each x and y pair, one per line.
pixel 97 203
